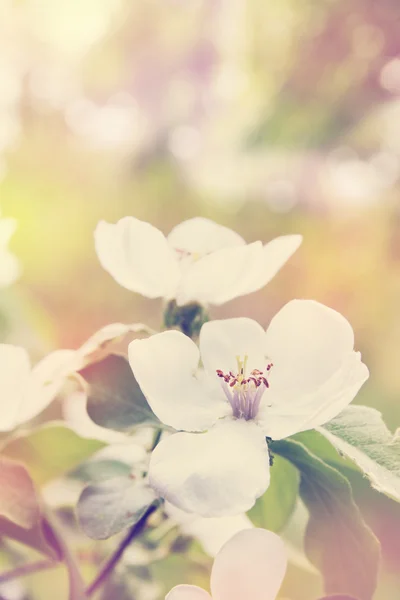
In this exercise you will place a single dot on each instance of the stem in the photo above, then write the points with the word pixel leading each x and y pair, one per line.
pixel 109 566
pixel 28 569
pixel 76 583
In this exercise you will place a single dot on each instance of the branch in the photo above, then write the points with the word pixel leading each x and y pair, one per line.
pixel 28 569
pixel 109 566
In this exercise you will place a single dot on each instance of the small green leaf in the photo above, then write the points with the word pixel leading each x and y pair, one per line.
pixel 109 507
pixel 115 399
pixel 359 433
pixel 101 470
pixel 273 510
pixel 50 451
pixel 337 541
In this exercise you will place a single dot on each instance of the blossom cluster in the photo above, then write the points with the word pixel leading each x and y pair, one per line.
pixel 219 400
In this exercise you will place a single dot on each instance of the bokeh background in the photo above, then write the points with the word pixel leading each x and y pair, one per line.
pixel 269 117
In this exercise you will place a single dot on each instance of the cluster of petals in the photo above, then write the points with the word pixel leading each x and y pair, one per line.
pixel 140 258
pixel 216 462
pixel 251 565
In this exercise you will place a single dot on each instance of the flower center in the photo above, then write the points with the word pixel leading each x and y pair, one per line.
pixel 244 393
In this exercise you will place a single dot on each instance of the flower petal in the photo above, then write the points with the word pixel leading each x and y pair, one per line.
pixel 45 381
pixel 222 341
pixel 14 374
pixel 165 366
pixel 318 407
pixel 202 236
pixel 316 373
pixel 307 343
pixel 138 256
pixel 220 276
pixel 251 565
pixel 275 254
pixel 214 474
pixel 187 592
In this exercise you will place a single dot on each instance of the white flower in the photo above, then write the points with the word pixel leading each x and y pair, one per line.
pixel 26 391
pixel 299 374
pixel 198 261
pixel 10 268
pixel 250 566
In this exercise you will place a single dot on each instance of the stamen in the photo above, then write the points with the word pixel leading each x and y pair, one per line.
pixel 244 393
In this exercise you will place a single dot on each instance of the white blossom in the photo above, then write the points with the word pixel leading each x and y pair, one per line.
pixel 198 261
pixel 251 565
pixel 297 375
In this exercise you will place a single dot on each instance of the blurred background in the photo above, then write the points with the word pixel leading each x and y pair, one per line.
pixel 269 117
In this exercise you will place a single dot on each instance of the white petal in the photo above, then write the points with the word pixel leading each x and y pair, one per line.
pixel 46 379
pixel 251 565
pixel 202 236
pixel 307 343
pixel 275 254
pixel 138 256
pixel 222 275
pixel 165 366
pixel 222 341
pixel 214 474
pixel 294 414
pixel 187 592
pixel 316 373
pixel 14 373
pixel 109 333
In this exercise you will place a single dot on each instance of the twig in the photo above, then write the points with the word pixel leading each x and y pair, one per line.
pixel 28 569
pixel 109 566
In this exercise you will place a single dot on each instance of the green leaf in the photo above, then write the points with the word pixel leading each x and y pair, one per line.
pixel 337 541
pixel 115 399
pixel 359 433
pixel 101 470
pixel 109 507
pixel 50 451
pixel 273 510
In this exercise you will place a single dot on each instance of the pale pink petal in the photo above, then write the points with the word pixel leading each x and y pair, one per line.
pixel 251 566
pixel 187 592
